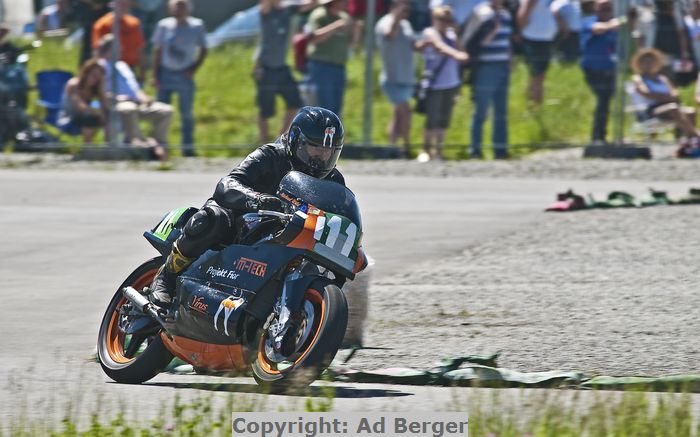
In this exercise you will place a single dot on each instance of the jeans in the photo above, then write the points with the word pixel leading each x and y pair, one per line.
pixel 169 82
pixel 329 81
pixel 602 84
pixel 490 86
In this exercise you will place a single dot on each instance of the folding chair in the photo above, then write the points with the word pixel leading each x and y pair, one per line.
pixel 50 84
pixel 648 127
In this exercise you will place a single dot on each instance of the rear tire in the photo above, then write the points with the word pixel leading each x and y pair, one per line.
pixel 316 352
pixel 111 341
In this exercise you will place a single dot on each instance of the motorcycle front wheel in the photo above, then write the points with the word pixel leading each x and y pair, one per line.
pixel 131 359
pixel 319 334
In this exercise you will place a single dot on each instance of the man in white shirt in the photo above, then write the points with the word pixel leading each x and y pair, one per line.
pixel 132 103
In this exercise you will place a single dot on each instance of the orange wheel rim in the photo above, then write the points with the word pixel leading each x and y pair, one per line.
pixel 270 367
pixel 115 338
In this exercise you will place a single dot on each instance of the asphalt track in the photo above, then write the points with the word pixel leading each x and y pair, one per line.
pixel 68 238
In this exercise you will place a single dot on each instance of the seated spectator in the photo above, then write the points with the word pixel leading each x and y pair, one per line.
pixel 538 29
pixel 131 40
pixel 52 17
pixel 442 62
pixel 487 38
pixel 133 105
pixel 396 42
pixel 78 97
pixel 662 97
pixel 568 16
pixel 328 51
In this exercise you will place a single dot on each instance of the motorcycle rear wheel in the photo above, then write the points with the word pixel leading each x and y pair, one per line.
pixel 122 357
pixel 316 351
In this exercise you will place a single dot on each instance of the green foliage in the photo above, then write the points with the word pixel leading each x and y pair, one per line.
pixel 227 116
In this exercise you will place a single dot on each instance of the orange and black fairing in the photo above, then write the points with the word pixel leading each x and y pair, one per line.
pixel 213 357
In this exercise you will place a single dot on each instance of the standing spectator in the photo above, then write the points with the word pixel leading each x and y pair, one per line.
pixel 131 41
pixel 599 36
pixel 420 15
pixel 568 16
pixel 78 96
pixel 358 12
pixel 328 50
pixel 52 17
pixel 148 12
pixel 442 61
pixel 86 13
pixel 134 105
pixel 488 41
pixel 662 98
pixel 180 49
pixel 396 42
pixel 538 29
pixel 461 10
pixel 671 39
pixel 271 73
pixel 692 24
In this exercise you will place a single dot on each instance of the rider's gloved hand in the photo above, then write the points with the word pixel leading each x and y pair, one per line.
pixel 269 203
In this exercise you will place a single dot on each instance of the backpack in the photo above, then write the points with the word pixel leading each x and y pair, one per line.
pixel 299 43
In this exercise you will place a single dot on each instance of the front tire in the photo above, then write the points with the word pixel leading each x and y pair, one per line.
pixel 119 357
pixel 314 352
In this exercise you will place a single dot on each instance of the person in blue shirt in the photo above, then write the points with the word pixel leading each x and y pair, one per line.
pixel 599 61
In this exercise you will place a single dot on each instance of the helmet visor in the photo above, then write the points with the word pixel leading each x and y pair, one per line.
pixel 320 159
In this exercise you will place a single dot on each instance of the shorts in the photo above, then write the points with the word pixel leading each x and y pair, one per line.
pixel 439 105
pixel 397 92
pixel 276 81
pixel 537 56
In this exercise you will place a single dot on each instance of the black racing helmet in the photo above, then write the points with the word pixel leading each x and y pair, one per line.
pixel 314 141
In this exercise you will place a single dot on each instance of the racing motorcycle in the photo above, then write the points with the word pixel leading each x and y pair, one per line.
pixel 270 302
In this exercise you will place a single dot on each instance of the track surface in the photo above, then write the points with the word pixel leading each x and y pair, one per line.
pixel 68 238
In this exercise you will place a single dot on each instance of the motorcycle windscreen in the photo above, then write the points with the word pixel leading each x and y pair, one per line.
pixel 326 195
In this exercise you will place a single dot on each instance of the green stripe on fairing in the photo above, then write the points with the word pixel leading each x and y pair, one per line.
pixel 162 230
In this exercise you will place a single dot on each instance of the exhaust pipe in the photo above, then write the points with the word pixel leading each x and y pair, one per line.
pixel 145 306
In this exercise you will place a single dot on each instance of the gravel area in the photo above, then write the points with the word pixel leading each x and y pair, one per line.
pixel 605 292
pixel 566 164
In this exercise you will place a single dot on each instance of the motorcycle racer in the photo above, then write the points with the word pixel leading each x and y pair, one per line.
pixel 312 145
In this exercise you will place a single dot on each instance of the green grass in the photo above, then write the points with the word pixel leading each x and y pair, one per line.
pixel 226 113
pixel 633 414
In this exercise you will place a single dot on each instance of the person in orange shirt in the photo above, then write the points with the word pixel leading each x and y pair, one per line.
pixel 131 40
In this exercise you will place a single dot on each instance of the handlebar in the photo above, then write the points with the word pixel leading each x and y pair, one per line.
pixel 276 214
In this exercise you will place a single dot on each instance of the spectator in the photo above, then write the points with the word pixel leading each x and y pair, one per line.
pixel 148 12
pixel 461 10
pixel 671 39
pixel 598 61
pixel 420 15
pixel 271 73
pixel 692 24
pixel 78 97
pixel 396 42
pixel 487 37
pixel 328 50
pixel 538 28
pixel 358 12
pixel 442 61
pixel 568 16
pixel 131 41
pixel 52 17
pixel 662 97
pixel 133 105
pixel 86 13
pixel 180 49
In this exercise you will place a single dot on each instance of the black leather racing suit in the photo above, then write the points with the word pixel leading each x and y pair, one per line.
pixel 238 192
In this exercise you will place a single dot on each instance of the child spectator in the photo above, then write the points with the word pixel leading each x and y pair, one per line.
pixel 328 50
pixel 538 29
pixel 396 42
pixel 662 98
pixel 78 96
pixel 442 61
pixel 487 38
pixel 131 40
pixel 180 49
pixel 271 72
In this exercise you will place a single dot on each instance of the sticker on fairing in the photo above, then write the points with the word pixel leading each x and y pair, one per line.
pixel 338 239
pixel 166 225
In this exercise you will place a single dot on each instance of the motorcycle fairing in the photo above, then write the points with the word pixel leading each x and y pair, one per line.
pixel 164 234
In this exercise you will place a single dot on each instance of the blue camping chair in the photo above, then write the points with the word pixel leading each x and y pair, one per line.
pixel 50 85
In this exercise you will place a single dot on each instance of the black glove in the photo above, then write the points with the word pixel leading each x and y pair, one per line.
pixel 269 203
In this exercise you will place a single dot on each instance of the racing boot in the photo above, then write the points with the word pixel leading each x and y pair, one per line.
pixel 163 286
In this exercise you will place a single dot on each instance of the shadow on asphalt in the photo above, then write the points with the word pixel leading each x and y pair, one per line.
pixel 339 392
